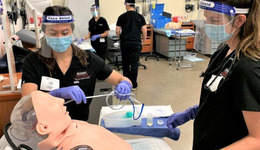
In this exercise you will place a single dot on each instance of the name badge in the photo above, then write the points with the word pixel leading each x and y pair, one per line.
pixel 102 40
pixel 49 84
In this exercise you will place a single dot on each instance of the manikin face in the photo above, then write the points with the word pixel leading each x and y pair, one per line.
pixel 52 116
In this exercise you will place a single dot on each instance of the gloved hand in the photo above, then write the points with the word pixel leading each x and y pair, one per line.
pixel 123 90
pixel 72 92
pixel 94 37
pixel 75 40
pixel 80 41
pixel 182 117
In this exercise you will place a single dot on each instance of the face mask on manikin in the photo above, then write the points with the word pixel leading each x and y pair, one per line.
pixel 218 32
pixel 59 44
pixel 95 13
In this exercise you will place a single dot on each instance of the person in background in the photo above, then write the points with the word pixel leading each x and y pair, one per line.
pixel 228 116
pixel 64 70
pixel 98 31
pixel 129 27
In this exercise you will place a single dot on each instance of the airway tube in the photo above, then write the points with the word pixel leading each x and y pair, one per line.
pixel 119 105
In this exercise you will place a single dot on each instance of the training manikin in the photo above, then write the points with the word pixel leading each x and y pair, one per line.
pixel 52 122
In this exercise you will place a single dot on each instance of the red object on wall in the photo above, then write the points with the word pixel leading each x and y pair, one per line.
pixel 176 19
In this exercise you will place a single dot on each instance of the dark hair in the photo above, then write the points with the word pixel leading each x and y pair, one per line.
pixel 80 54
pixel 249 33
pixel 94 5
pixel 130 1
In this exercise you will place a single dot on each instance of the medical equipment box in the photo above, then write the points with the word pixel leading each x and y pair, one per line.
pixel 116 119
pixel 158 20
pixel 158 10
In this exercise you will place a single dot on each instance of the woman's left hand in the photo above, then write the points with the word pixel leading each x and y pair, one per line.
pixel 123 90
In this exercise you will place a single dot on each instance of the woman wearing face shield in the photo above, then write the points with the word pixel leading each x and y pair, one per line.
pixel 98 31
pixel 228 115
pixel 229 111
pixel 66 71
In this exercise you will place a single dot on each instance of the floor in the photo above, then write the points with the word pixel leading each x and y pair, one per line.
pixel 163 84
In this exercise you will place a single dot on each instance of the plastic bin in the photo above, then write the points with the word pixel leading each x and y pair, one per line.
pixel 160 21
pixel 158 9
pixel 116 119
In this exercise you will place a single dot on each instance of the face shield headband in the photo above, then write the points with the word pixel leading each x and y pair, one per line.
pixel 130 4
pixel 222 8
pixel 94 8
pixel 57 19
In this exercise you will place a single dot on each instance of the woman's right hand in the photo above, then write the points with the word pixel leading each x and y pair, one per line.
pixel 72 92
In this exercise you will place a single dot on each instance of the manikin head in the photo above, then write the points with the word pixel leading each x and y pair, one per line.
pixel 48 110
pixel 36 114
pixel 41 115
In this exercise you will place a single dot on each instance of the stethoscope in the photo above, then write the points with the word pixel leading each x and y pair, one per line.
pixel 222 74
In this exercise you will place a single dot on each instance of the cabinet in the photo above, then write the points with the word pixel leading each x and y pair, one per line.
pixel 190 40
pixel 148 45
pixel 170 46
pixel 7 102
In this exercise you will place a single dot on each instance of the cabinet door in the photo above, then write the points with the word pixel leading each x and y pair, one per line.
pixel 189 43
pixel 146 48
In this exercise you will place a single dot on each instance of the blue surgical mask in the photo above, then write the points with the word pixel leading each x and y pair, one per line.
pixel 95 13
pixel 59 44
pixel 218 32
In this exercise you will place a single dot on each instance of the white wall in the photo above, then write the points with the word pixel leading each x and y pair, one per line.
pixel 58 2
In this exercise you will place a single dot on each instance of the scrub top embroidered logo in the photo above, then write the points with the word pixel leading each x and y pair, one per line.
pixel 82 76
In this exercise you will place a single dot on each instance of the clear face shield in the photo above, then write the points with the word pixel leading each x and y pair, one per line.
pixel 95 11
pixel 58 34
pixel 215 24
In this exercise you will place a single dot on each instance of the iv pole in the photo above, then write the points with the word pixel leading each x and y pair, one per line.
pixel 10 56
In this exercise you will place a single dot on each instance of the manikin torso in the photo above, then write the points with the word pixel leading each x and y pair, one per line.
pixel 94 136
pixel 64 133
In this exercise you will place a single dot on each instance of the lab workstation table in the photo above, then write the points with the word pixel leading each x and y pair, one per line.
pixel 158 128
pixel 172 44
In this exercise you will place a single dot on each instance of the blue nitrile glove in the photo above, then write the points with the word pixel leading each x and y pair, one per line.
pixel 124 88
pixel 75 40
pixel 71 92
pixel 182 117
pixel 80 41
pixel 94 37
